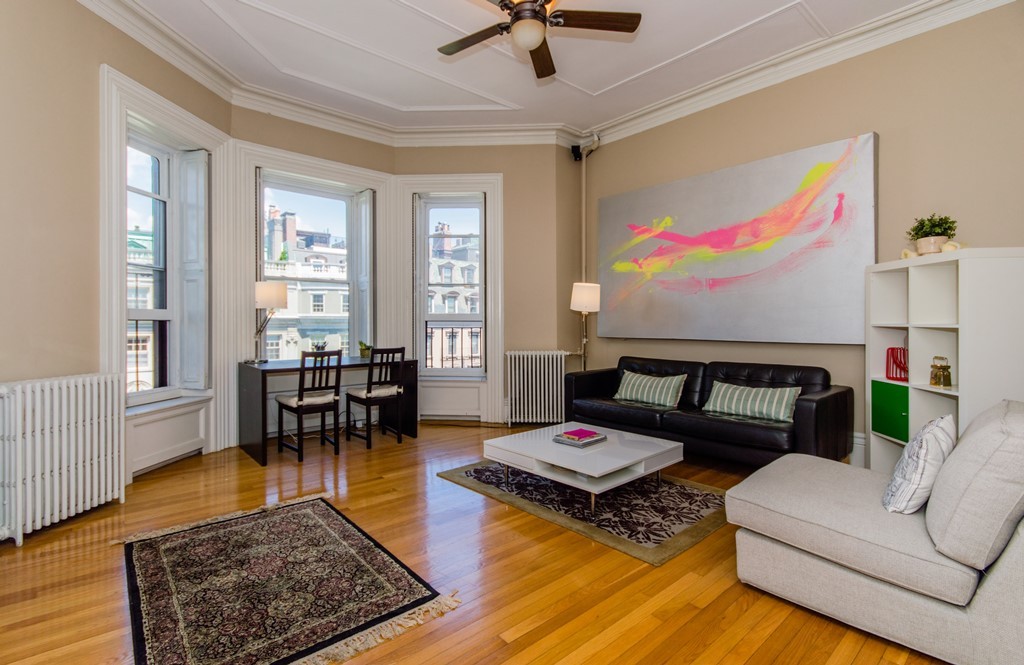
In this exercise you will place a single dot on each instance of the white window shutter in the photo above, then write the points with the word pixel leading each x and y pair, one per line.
pixel 194 202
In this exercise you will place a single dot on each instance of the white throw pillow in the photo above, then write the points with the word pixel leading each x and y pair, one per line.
pixel 915 472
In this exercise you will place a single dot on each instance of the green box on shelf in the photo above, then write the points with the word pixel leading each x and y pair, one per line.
pixel 889 410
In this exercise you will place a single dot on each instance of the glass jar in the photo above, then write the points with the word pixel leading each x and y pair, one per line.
pixel 940 376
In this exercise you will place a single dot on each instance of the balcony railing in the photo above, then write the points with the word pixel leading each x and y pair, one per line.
pixel 454 346
pixel 304 270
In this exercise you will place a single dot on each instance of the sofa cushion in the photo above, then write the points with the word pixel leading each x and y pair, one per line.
pixel 656 390
pixel 737 430
pixel 636 414
pixel 918 466
pixel 831 509
pixel 763 375
pixel 767 403
pixel 694 372
pixel 978 497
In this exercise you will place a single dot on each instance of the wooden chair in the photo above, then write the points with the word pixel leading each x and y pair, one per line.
pixel 319 392
pixel 383 389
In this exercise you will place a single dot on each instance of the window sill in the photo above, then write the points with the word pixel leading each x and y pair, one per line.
pixel 166 405
pixel 454 378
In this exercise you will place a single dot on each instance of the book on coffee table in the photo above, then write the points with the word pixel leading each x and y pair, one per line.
pixel 579 438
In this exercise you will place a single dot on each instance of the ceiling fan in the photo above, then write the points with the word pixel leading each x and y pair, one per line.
pixel 528 22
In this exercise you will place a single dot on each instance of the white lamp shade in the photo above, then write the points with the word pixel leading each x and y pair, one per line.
pixel 271 295
pixel 586 297
pixel 528 33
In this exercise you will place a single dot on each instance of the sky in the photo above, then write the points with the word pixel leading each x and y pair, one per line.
pixel 315 213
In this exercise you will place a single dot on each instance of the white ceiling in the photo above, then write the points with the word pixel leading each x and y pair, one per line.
pixel 374 63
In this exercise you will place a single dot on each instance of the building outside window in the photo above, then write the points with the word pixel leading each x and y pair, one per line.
pixel 449 265
pixel 273 347
pixel 317 237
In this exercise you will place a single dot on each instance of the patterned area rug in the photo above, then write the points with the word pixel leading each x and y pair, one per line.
pixel 640 518
pixel 296 582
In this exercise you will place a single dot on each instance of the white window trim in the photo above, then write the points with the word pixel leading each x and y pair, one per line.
pixel 394 261
pixel 123 102
pixel 239 305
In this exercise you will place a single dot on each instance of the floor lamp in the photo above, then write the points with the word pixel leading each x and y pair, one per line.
pixel 269 296
pixel 586 298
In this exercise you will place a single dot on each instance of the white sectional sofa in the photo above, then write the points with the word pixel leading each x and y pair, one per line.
pixel 947 580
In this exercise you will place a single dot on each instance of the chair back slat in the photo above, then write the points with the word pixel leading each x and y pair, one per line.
pixel 319 370
pixel 386 367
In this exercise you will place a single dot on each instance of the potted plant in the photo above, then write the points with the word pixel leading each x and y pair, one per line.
pixel 931 232
pixel 364 349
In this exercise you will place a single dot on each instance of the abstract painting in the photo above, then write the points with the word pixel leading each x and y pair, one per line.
pixel 769 251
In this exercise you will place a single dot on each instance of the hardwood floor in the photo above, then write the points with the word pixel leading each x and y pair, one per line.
pixel 531 592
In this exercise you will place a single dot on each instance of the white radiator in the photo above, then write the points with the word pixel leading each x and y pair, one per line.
pixel 61 449
pixel 536 386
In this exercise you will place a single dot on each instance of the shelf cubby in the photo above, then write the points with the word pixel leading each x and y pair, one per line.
pixel 951 305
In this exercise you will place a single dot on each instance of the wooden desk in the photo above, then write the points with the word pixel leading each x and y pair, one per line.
pixel 252 400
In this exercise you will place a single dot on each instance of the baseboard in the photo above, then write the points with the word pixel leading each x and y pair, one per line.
pixel 859 457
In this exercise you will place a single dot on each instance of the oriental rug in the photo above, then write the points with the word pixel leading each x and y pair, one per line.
pixel 649 521
pixel 295 582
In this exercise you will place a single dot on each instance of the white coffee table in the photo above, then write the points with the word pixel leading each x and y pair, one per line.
pixel 598 468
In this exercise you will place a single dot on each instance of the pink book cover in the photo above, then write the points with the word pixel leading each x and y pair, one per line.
pixel 579 434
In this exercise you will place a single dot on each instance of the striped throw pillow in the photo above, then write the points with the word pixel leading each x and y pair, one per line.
pixel 657 390
pixel 768 403
pixel 918 466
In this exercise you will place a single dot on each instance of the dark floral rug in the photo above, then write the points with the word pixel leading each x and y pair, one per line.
pixel 646 520
pixel 296 582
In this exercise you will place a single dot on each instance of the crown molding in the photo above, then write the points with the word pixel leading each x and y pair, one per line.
pixel 264 101
pixel 141 26
pixel 867 38
pixel 130 18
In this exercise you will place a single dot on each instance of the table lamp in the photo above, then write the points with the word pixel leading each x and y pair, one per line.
pixel 269 296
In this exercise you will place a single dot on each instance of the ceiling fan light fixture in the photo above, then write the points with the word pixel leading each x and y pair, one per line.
pixel 528 34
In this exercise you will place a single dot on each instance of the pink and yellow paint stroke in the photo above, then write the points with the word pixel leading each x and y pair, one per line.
pixel 809 218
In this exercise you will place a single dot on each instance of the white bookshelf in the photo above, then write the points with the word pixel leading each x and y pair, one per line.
pixel 963 305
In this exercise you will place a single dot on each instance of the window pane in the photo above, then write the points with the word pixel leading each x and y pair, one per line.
pixel 451 265
pixel 147 288
pixel 143 171
pixel 454 221
pixel 306 244
pixel 146 346
pixel 454 346
pixel 146 230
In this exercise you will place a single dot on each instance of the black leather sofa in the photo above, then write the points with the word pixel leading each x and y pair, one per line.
pixel 822 422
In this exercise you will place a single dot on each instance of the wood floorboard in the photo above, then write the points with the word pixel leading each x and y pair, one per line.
pixel 530 591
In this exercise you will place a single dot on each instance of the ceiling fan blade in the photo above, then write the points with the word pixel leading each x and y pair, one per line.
pixel 542 62
pixel 614 21
pixel 471 40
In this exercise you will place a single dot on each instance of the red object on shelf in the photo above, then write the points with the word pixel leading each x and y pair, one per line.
pixel 896 363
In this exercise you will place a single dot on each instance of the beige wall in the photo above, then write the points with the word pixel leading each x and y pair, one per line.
pixel 268 130
pixel 947 109
pixel 49 286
